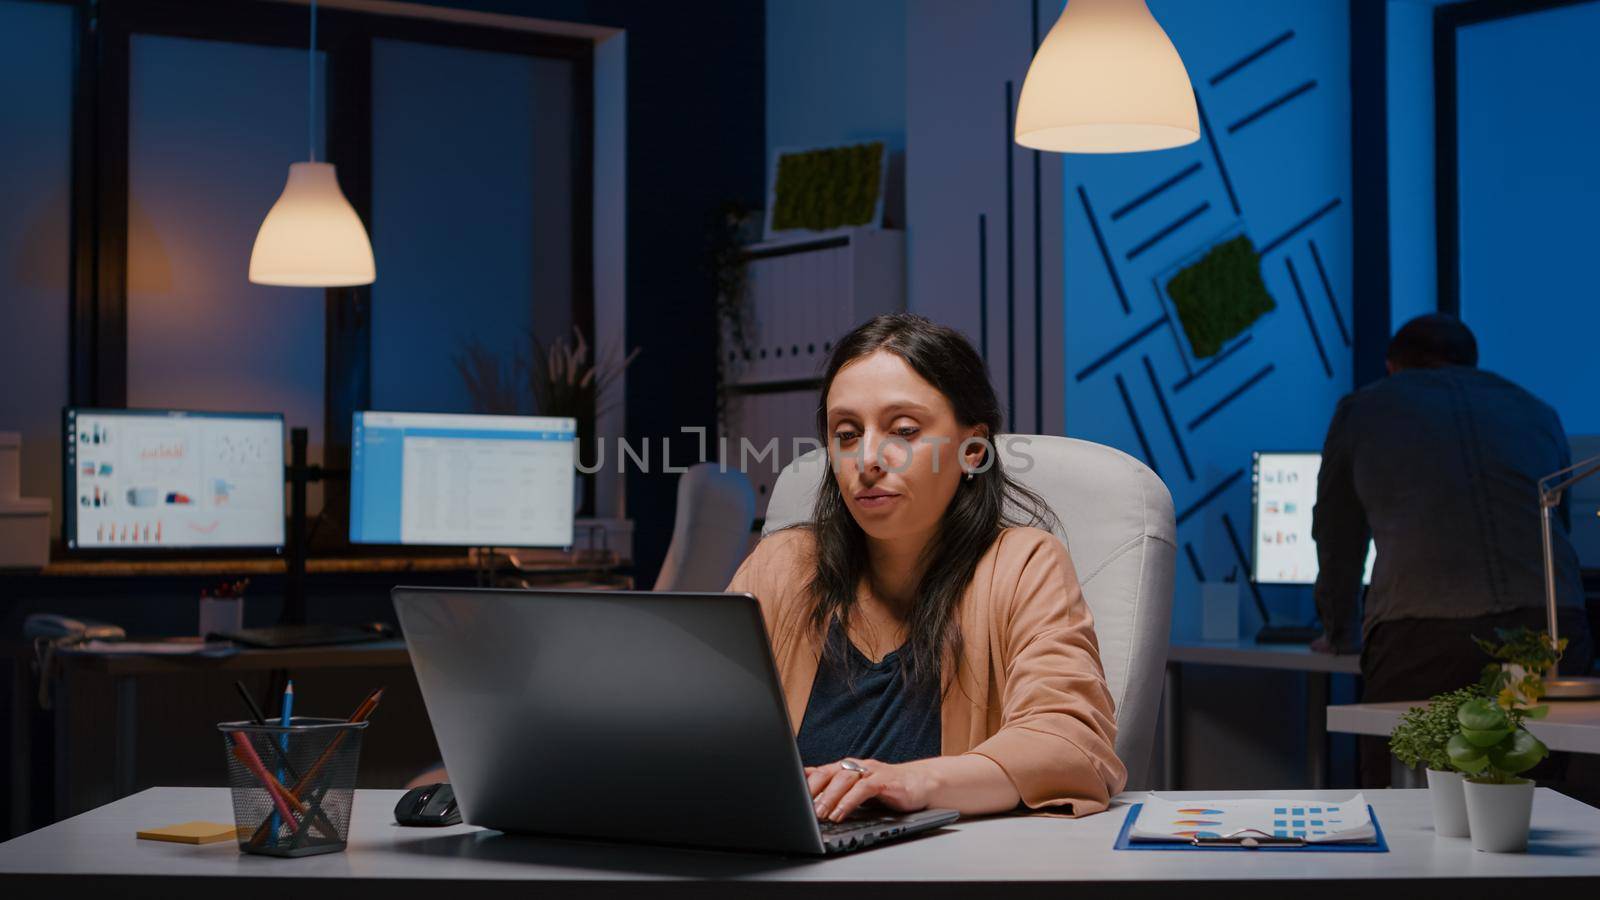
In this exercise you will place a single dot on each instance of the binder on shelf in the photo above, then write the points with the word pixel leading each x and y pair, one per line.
pixel 804 294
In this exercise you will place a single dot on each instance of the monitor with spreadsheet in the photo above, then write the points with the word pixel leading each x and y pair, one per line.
pixel 145 479
pixel 462 480
pixel 1283 492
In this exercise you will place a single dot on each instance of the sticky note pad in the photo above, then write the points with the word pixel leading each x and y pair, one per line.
pixel 191 833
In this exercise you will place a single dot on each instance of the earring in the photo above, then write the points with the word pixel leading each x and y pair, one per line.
pixel 969 476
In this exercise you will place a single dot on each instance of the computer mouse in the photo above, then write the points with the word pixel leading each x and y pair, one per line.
pixel 428 806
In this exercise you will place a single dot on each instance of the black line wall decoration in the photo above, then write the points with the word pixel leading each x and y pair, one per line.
pixel 1011 265
pixel 1105 252
pixel 1119 349
pixel 1154 192
pixel 1244 560
pixel 1138 429
pixel 1038 266
pixel 1210 495
pixel 1273 104
pixel 1194 562
pixel 1327 290
pixel 1166 415
pixel 1231 396
pixel 1311 323
pixel 1216 155
pixel 1251 57
pixel 1302 225
pixel 1144 245
pixel 983 287
pixel 1215 361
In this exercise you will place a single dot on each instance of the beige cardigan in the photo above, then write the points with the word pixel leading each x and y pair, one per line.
pixel 1031 693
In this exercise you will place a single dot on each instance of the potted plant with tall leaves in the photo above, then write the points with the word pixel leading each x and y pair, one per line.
pixel 563 377
pixel 1493 748
pixel 1421 739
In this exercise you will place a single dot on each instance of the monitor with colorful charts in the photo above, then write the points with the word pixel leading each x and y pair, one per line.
pixel 1283 493
pixel 143 480
pixel 462 480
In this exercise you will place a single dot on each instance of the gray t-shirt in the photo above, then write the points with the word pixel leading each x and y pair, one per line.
pixel 1441 468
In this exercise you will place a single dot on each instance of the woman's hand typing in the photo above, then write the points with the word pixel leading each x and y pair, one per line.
pixel 971 783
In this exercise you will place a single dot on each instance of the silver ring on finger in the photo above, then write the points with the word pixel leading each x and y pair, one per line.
pixel 850 765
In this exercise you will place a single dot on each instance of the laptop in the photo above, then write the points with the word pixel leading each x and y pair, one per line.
pixel 624 716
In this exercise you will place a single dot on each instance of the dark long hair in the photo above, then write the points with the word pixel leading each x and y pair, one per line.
pixel 981 508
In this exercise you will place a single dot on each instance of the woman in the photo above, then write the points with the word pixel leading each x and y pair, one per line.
pixel 934 647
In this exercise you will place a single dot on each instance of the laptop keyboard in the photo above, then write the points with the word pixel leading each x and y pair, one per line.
pixel 854 824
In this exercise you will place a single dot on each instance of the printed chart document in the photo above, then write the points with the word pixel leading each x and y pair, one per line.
pixel 1315 822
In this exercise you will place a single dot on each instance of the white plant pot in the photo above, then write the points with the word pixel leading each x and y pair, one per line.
pixel 1449 803
pixel 1498 815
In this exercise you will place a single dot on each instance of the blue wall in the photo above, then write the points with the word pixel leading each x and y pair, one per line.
pixel 1413 261
pixel 1275 168
pixel 1528 192
pixel 836 72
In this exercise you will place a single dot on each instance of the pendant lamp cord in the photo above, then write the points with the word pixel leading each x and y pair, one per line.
pixel 311 86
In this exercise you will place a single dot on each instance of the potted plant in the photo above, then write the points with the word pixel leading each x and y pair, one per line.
pixel 558 378
pixel 1421 739
pixel 1493 748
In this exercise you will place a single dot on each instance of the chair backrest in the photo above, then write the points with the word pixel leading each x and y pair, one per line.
pixel 711 530
pixel 1117 521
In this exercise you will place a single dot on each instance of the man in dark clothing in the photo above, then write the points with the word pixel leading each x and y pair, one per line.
pixel 1439 465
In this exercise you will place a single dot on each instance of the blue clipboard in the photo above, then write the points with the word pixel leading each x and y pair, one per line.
pixel 1124 842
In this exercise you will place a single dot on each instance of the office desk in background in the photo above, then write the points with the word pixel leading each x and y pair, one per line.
pixel 1571 726
pixel 1014 857
pixel 1247 654
pixel 105 703
pixel 84 737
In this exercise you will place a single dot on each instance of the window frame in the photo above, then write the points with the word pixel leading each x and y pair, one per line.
pixel 98 333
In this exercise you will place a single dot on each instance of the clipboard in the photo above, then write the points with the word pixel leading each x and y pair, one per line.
pixel 1124 841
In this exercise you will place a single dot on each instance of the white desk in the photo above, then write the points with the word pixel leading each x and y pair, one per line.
pixel 1573 727
pixel 1247 654
pixel 1011 857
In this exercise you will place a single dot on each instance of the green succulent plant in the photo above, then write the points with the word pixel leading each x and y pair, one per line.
pixel 1491 745
pixel 1423 732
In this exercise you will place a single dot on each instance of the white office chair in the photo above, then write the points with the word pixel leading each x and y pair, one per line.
pixel 711 531
pixel 1118 524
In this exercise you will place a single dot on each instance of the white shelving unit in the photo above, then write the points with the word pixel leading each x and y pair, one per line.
pixel 803 295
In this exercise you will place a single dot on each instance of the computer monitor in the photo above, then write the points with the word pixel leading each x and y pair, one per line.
pixel 148 479
pixel 1283 492
pixel 462 480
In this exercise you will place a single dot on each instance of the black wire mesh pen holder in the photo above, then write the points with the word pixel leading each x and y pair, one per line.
pixel 293 787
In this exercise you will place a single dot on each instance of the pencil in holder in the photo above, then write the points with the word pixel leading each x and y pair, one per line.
pixel 294 799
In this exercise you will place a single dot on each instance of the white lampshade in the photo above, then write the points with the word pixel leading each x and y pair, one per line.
pixel 1106 80
pixel 312 236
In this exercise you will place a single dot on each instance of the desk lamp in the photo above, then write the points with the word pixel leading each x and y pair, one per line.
pixel 1551 488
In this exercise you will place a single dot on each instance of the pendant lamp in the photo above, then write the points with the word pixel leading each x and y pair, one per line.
pixel 1106 80
pixel 312 236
